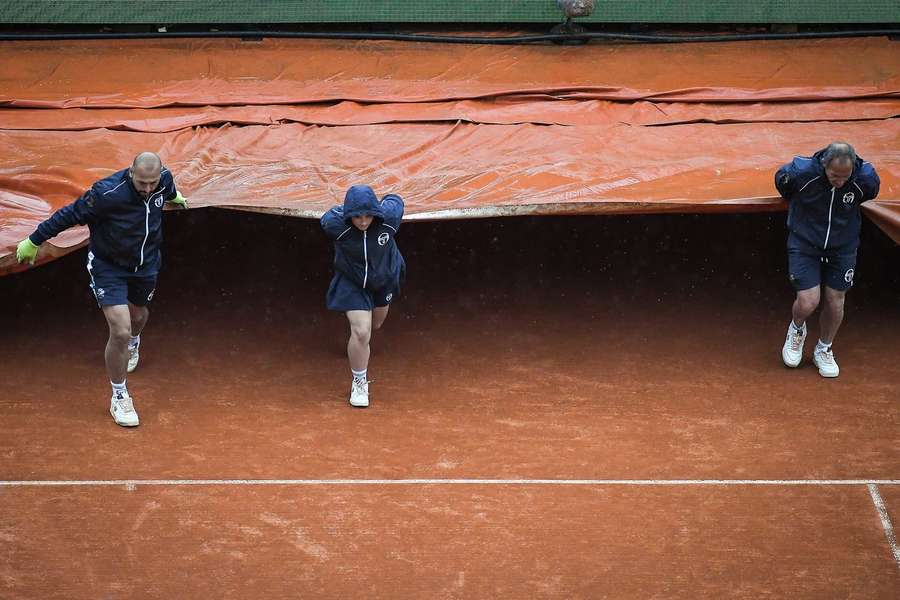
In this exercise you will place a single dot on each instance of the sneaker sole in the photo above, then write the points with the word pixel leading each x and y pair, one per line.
pixel 120 424
pixel 788 364
pixel 356 405
pixel 828 375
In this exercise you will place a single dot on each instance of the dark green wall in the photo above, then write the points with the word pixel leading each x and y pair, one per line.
pixel 459 11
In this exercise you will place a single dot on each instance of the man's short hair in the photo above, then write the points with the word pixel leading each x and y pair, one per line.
pixel 839 151
pixel 147 160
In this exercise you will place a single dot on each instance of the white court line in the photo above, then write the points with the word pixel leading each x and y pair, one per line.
pixel 131 483
pixel 885 522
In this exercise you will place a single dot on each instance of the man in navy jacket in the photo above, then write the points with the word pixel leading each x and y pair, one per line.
pixel 824 192
pixel 368 271
pixel 124 215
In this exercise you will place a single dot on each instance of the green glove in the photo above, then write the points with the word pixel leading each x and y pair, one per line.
pixel 26 250
pixel 180 200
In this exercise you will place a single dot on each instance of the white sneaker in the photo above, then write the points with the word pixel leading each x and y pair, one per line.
pixel 134 355
pixel 824 359
pixel 792 352
pixel 122 410
pixel 359 393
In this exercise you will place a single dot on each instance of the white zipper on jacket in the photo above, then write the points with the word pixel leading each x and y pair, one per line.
pixel 146 232
pixel 366 256
pixel 828 232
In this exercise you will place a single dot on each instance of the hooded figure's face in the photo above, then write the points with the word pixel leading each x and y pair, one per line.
pixel 362 222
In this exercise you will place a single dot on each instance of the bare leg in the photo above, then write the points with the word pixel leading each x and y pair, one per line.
pixel 119 320
pixel 379 315
pixel 360 335
pixel 139 316
pixel 805 304
pixel 832 314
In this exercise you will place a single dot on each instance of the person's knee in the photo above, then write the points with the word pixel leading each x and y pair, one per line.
pixel 379 316
pixel 807 303
pixel 119 333
pixel 138 314
pixel 361 333
pixel 808 307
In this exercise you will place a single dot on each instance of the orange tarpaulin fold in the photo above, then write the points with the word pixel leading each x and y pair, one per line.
pixel 538 110
pixel 885 214
pixel 154 73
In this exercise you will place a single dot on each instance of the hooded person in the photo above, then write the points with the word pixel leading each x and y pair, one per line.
pixel 368 272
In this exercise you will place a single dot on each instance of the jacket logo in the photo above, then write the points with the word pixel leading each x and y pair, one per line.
pixel 848 276
pixel 383 239
pixel 848 198
pixel 159 202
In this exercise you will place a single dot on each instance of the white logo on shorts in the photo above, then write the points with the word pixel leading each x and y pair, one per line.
pixel 159 202
pixel 150 297
pixel 383 239
pixel 100 292
pixel 389 296
pixel 848 198
pixel 848 276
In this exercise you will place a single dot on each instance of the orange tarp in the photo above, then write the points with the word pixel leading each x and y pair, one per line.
pixel 149 73
pixel 460 131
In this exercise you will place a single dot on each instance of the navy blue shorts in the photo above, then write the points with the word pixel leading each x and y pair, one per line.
pixel 113 285
pixel 811 270
pixel 344 295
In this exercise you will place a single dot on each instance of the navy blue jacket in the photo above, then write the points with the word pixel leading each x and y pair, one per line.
pixel 125 230
pixel 820 217
pixel 369 258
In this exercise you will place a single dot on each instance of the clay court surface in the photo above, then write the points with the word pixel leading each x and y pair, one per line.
pixel 561 407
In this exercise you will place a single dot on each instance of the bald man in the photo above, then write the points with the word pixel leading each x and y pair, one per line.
pixel 124 214
pixel 824 192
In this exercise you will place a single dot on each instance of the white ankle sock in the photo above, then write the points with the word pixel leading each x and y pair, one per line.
pixel 134 342
pixel 359 376
pixel 822 346
pixel 119 389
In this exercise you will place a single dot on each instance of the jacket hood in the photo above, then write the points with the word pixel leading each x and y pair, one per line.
pixel 361 200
